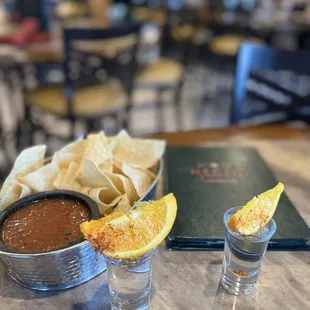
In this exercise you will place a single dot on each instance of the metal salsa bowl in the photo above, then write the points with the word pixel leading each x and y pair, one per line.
pixel 63 268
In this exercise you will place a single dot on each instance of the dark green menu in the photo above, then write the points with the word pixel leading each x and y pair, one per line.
pixel 209 181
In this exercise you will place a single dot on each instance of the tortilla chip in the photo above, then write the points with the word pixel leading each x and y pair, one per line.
pixel 27 161
pixel 123 134
pixel 123 205
pixel 105 201
pixel 70 179
pixel 64 160
pixel 141 179
pixel 98 151
pixel 124 185
pixel 13 193
pixel 113 171
pixel 139 153
pixel 42 179
pixel 59 178
pixel 117 180
pixel 117 166
pixel 93 177
pixel 107 165
pixel 77 146
pixel 113 140
pixel 85 190
pixel 71 152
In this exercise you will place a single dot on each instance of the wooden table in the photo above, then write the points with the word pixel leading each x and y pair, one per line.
pixel 190 280
pixel 236 134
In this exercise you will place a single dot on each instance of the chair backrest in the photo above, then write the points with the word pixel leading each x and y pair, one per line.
pixel 93 54
pixel 271 85
pixel 179 32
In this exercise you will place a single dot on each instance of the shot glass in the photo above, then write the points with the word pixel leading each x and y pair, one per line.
pixel 243 257
pixel 130 282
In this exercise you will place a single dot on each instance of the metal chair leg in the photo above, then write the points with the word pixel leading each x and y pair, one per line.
pixel 125 123
pixel 72 129
pixel 89 126
pixel 160 112
pixel 117 121
pixel 178 106
pixel 27 126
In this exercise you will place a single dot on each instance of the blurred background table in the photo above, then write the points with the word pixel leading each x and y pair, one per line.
pixel 190 280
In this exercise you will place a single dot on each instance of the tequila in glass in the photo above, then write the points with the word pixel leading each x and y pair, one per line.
pixel 243 257
pixel 130 282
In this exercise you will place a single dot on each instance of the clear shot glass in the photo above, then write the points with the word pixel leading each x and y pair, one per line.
pixel 243 257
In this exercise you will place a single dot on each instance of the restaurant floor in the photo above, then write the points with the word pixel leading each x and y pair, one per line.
pixel 205 103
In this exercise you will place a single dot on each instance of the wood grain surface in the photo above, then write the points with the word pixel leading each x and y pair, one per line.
pixel 197 137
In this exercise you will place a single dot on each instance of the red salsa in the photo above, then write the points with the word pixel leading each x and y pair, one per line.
pixel 44 226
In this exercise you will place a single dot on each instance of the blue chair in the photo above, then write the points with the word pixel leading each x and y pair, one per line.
pixel 98 80
pixel 271 86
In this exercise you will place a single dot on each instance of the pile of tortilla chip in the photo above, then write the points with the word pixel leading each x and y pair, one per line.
pixel 114 171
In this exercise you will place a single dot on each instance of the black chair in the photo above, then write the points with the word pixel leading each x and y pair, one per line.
pixel 271 86
pixel 98 79
pixel 183 39
pixel 166 75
